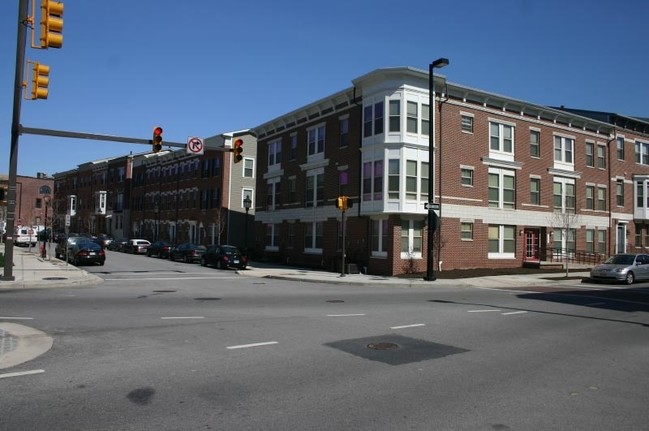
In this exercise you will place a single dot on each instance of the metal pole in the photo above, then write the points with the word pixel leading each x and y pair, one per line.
pixel 245 232
pixel 342 226
pixel 430 265
pixel 23 10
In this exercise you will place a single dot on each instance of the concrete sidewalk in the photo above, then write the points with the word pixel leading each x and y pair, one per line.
pixel 32 271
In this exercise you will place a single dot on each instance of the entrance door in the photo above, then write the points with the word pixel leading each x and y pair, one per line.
pixel 532 245
pixel 621 238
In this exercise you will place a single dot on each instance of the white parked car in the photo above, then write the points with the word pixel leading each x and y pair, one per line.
pixel 137 246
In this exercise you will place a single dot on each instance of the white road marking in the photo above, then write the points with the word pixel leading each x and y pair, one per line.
pixel 245 346
pixel 16 318
pixel 482 311
pixel 514 312
pixel 21 373
pixel 183 317
pixel 414 325
pixel 345 315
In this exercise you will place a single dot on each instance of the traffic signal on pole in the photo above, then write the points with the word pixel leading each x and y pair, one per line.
pixel 342 203
pixel 238 149
pixel 156 142
pixel 51 24
pixel 40 81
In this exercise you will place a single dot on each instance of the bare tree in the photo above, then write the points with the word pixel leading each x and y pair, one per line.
pixel 219 223
pixel 567 221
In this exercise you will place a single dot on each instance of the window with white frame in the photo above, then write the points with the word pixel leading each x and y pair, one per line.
pixel 248 167
pixel 601 198
pixel 292 154
pixel 274 152
pixel 620 148
pixel 425 120
pixel 379 237
pixel 313 234
pixel 501 137
pixel 250 194
pixel 393 178
pixel 564 195
pixel 412 117
pixel 316 140
pixel 466 123
pixel 425 183
pixel 601 156
pixel 466 231
pixel 466 176
pixel 590 197
pixel 395 116
pixel 373 119
pixel 273 193
pixel 564 148
pixel 373 180
pixel 619 192
pixel 502 188
pixel 272 236
pixel 642 153
pixel 590 240
pixel 535 143
pixel 590 154
pixel 343 125
pixel 535 191
pixel 411 179
pixel 411 238
pixel 502 241
pixel 315 188
pixel 601 241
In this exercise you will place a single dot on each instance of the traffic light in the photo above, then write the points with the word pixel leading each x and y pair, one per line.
pixel 156 142
pixel 51 24
pixel 238 149
pixel 341 203
pixel 40 81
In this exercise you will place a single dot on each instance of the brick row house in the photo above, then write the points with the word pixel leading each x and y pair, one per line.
pixel 169 195
pixel 33 200
pixel 516 182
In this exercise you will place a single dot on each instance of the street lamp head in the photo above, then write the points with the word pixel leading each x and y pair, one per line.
pixel 247 202
pixel 439 63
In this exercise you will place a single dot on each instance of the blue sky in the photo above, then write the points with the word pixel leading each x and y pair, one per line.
pixel 204 67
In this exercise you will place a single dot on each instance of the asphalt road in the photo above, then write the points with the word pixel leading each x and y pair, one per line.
pixel 172 346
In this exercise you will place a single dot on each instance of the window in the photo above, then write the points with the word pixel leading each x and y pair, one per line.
pixel 313 237
pixel 535 191
pixel 292 154
pixel 590 240
pixel 601 241
pixel 379 237
pixel 466 231
pixel 272 236
pixel 563 149
pixel 590 154
pixel 314 189
pixel 502 188
pixel 502 241
pixel 466 176
pixel 601 198
pixel 248 193
pixel 273 193
pixel 393 179
pixel 411 179
pixel 619 193
pixel 343 181
pixel 501 138
pixel 38 203
pixel 535 143
pixel 248 167
pixel 424 181
pixel 373 119
pixel 292 181
pixel 564 195
pixel 343 124
pixel 601 156
pixel 590 197
pixel 425 120
pixel 395 115
pixel 411 117
pixel 316 140
pixel 275 152
pixel 620 148
pixel 373 180
pixel 466 123
pixel 411 238
pixel 642 153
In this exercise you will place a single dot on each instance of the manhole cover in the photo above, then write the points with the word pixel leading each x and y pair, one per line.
pixel 55 278
pixel 382 346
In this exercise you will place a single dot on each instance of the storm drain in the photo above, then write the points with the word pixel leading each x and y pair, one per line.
pixel 395 349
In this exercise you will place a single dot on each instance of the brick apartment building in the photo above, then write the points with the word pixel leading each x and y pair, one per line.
pixel 33 200
pixel 170 195
pixel 516 182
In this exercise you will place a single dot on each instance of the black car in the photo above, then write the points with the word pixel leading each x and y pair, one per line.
pixel 86 251
pixel 187 252
pixel 224 256
pixel 118 244
pixel 64 245
pixel 159 249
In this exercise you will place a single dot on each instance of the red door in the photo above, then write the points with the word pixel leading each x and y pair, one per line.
pixel 532 244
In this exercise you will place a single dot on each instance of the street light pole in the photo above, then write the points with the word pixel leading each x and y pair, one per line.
pixel 432 217
pixel 247 203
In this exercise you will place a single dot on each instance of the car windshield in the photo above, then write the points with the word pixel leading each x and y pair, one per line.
pixel 621 259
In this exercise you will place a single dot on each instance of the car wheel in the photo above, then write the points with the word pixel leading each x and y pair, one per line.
pixel 630 278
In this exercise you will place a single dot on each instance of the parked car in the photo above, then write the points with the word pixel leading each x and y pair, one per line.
pixel 104 239
pixel 136 246
pixel 187 252
pixel 224 256
pixel 85 251
pixel 159 249
pixel 117 244
pixel 64 245
pixel 622 267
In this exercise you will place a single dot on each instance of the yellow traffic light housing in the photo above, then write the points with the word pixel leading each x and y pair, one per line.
pixel 51 24
pixel 238 150
pixel 40 81
pixel 156 142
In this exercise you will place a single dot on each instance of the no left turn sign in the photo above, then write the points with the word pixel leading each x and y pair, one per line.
pixel 195 146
